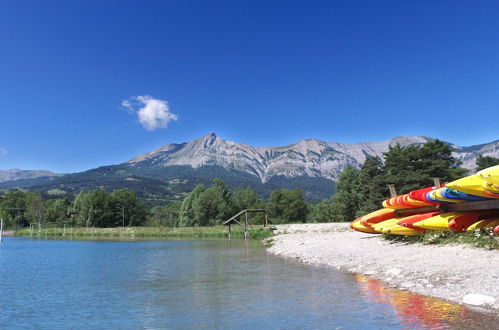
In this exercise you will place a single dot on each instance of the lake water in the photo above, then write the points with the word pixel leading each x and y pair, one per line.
pixel 57 284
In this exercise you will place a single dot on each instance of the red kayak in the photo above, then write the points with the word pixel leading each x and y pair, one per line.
pixel 409 221
pixel 376 217
pixel 420 195
pixel 461 222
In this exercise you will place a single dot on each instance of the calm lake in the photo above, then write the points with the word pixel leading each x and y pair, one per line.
pixel 57 284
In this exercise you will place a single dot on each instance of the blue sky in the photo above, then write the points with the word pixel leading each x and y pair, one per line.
pixel 74 75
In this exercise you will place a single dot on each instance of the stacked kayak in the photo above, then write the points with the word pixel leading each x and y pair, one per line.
pixel 414 213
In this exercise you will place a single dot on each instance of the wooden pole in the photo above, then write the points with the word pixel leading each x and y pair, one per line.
pixel 246 225
pixel 230 231
pixel 436 181
pixel 1 229
pixel 123 215
pixel 266 220
pixel 393 192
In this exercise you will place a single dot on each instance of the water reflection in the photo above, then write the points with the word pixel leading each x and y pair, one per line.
pixel 418 311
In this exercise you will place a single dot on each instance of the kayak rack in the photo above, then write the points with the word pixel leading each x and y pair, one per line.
pixel 446 208
pixel 246 226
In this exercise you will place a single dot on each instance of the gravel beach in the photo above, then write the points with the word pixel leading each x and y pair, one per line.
pixel 456 273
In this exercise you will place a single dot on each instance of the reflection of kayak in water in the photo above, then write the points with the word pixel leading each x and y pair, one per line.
pixel 415 311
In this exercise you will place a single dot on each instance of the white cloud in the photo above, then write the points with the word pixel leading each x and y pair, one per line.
pixel 152 113
pixel 3 151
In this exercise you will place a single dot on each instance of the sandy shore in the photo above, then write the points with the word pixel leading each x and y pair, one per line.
pixel 456 273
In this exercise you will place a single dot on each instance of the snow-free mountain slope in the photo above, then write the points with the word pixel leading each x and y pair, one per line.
pixel 309 157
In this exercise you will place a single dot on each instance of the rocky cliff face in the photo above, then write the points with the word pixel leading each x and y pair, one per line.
pixel 16 174
pixel 311 157
pixel 468 155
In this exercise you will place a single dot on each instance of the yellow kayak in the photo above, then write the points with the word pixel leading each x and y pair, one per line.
pixel 372 218
pixel 401 230
pixel 490 178
pixel 482 224
pixel 439 222
pixel 417 203
pixel 385 224
pixel 358 226
pixel 485 183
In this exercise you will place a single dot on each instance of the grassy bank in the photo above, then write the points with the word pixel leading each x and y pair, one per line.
pixel 157 232
pixel 479 238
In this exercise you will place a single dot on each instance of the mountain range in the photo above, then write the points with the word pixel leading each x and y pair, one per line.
pixel 171 171
pixel 17 174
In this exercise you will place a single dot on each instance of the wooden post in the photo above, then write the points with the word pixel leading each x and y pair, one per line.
pixel 436 181
pixel 393 192
pixel 1 229
pixel 64 231
pixel 230 231
pixel 266 220
pixel 246 225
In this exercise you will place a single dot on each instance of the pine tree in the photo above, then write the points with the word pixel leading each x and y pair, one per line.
pixel 372 186
pixel 415 166
pixel 483 162
pixel 347 198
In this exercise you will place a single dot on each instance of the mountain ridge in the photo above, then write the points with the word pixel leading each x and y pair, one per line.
pixel 14 174
pixel 309 157
pixel 172 170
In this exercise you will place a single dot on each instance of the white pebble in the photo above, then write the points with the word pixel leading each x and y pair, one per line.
pixel 393 271
pixel 478 300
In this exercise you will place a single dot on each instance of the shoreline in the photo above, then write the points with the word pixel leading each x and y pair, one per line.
pixel 456 273
pixel 143 232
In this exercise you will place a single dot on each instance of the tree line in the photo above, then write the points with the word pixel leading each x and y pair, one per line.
pixel 204 206
pixel 358 192
pixel 88 209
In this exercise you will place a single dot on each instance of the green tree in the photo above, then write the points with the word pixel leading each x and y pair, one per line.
pixel 247 198
pixel 288 205
pixel 93 209
pixel 415 166
pixel 346 201
pixel 80 211
pixel 244 198
pixel 209 208
pixel 127 209
pixel 325 211
pixel 35 207
pixel 13 206
pixel 165 216
pixel 57 210
pixel 187 215
pixel 483 162
pixel 214 205
pixel 372 187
